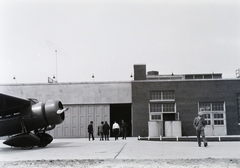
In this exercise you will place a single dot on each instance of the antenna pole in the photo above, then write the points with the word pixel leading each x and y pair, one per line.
pixel 56 65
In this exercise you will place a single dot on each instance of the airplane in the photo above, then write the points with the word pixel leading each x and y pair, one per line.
pixel 25 121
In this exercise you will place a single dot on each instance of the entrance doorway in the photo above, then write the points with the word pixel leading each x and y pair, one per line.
pixel 216 123
pixel 215 116
pixel 119 112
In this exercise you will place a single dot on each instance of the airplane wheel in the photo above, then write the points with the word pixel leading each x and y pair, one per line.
pixel 42 145
pixel 45 139
pixel 27 147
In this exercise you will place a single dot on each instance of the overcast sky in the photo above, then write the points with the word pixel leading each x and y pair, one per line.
pixel 107 37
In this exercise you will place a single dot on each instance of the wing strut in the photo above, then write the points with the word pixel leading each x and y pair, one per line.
pixel 24 130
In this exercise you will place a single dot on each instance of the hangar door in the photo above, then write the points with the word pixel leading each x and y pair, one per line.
pixel 119 112
pixel 77 119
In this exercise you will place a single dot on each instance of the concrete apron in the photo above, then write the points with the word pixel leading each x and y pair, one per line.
pixel 132 148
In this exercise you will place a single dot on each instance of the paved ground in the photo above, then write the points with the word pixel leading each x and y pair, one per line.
pixel 130 149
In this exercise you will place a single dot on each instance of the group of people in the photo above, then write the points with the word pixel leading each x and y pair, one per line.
pixel 199 124
pixel 104 128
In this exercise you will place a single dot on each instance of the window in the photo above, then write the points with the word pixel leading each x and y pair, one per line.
pixel 161 103
pixel 155 95
pixel 162 95
pixel 238 105
pixel 155 107
pixel 214 112
pixel 168 95
pixel 218 122
pixel 218 115
pixel 169 107
pixel 216 106
pixel 162 107
pixel 207 119
pixel 204 106
pixel 218 119
pixel 156 117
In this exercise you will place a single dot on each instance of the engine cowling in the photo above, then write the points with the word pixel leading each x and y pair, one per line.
pixel 51 109
pixel 46 114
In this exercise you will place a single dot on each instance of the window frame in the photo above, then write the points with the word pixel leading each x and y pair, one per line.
pixel 161 99
pixel 209 110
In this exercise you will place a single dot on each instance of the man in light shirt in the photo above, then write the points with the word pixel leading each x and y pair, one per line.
pixel 115 129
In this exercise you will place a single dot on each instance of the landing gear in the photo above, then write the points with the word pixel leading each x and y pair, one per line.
pixel 27 139
pixel 27 147
pixel 23 140
pixel 45 139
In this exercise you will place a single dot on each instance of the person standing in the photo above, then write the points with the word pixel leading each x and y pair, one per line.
pixel 115 129
pixel 100 131
pixel 106 129
pixel 124 130
pixel 199 124
pixel 90 131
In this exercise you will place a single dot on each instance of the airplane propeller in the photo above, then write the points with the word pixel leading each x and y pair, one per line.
pixel 62 110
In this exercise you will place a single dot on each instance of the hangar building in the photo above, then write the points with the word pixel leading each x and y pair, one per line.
pixel 151 104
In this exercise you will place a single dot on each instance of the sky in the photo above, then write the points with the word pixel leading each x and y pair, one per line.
pixel 75 39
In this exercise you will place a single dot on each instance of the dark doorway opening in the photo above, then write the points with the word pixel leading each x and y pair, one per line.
pixel 119 112
pixel 169 117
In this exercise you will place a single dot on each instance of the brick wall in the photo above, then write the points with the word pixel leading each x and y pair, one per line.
pixel 188 93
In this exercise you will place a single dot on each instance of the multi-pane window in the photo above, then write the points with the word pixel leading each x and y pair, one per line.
pixel 156 117
pixel 218 115
pixel 218 122
pixel 214 112
pixel 161 103
pixel 162 107
pixel 204 106
pixel 168 107
pixel 218 119
pixel 155 107
pixel 162 95
pixel 215 106
pixel 155 95
pixel 207 119
pixel 168 95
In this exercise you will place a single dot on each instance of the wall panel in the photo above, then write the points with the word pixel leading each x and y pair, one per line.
pixel 77 119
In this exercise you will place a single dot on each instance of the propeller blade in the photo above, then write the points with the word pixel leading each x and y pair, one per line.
pixel 62 110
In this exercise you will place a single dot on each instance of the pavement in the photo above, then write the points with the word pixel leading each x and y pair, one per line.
pixel 193 138
pixel 132 148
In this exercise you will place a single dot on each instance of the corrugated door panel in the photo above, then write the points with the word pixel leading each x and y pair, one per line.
pixel 74 122
pixel 77 119
pixel 66 125
pixel 98 119
pixel 82 121
pixel 90 114
pixel 106 113
pixel 58 132
pixel 82 128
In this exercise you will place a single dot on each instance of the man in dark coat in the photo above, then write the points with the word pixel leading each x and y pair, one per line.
pixel 124 129
pixel 199 124
pixel 106 128
pixel 90 131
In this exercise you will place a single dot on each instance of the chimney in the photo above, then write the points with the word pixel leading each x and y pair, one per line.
pixel 139 72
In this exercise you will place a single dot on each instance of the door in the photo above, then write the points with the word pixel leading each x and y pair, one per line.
pixel 77 119
pixel 119 112
pixel 216 123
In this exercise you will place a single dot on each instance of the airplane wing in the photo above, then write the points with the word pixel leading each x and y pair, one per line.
pixel 10 105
